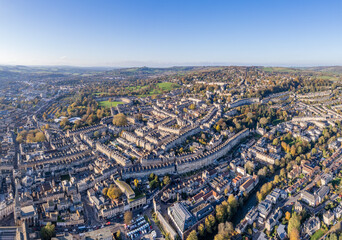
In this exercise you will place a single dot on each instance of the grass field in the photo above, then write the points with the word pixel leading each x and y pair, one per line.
pixel 318 234
pixel 280 69
pixel 167 86
pixel 108 104
pixel 160 87
pixel 327 77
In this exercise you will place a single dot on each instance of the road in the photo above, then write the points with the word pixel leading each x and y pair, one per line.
pixel 90 213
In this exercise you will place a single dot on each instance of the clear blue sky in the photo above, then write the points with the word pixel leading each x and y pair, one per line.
pixel 165 33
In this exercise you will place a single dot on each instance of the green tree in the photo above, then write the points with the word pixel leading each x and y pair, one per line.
pixel 166 180
pixel 221 213
pixel 210 223
pixel 275 142
pixel 48 231
pixel 233 202
pixel 294 224
pixel 201 230
pixel 192 235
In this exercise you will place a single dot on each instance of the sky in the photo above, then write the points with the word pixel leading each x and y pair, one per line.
pixel 171 32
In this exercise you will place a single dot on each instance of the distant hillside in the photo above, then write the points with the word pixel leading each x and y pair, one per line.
pixel 330 69
pixel 147 71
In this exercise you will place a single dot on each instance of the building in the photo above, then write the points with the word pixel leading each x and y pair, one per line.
pixel 328 217
pixel 312 225
pixel 316 198
pixel 265 208
pixel 281 232
pixel 181 217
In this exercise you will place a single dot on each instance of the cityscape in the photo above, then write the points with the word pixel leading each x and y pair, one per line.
pixel 148 147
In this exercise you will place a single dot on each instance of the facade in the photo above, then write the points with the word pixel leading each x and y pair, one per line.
pixel 181 217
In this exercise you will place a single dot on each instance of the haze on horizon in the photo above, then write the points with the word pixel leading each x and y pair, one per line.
pixel 167 33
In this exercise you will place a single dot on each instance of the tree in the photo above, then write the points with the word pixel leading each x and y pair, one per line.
pixel 250 167
pixel 221 213
pixel 276 179
pixel 314 151
pixel 120 120
pixel 128 217
pixel 294 223
pixel 166 180
pixel 263 121
pixel 201 230
pixel 40 137
pixel 118 235
pixel 64 122
pixel 48 231
pixel 210 223
pixel 114 193
pixel 293 150
pixel 20 139
pixel 96 134
pixel 192 106
pixel 136 183
pixel 219 236
pixel 282 172
pixel 275 142
pixel 192 235
pixel 287 216
pixel 294 234
pixel 233 202
pixel 105 191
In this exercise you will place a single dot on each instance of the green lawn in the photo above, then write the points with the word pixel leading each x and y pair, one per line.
pixel 327 77
pixel 167 86
pixel 318 234
pixel 159 88
pixel 108 104
pixel 280 69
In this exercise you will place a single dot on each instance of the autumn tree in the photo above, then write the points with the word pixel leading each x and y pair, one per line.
pixel 120 120
pixel 294 234
pixel 263 121
pixel 105 191
pixel 294 224
pixel 192 235
pixel 114 192
pixel 136 183
pixel 166 180
pixel 201 230
pixel 40 137
pixel 128 217
pixel 287 216
pixel 210 223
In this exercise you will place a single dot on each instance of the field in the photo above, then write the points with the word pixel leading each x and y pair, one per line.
pixel 167 86
pixel 158 88
pixel 327 77
pixel 280 69
pixel 318 234
pixel 108 104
